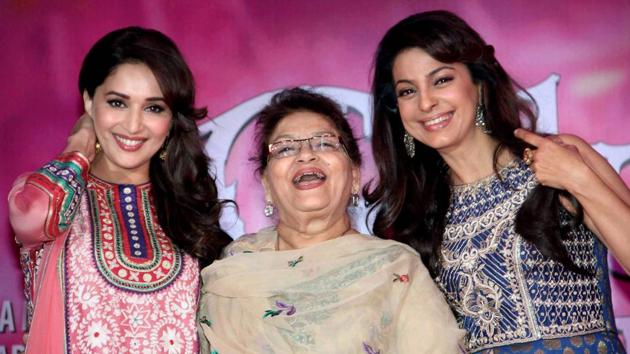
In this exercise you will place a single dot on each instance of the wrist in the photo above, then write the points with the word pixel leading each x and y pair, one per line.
pixel 583 181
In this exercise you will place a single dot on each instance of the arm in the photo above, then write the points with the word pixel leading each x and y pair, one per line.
pixel 42 206
pixel 567 162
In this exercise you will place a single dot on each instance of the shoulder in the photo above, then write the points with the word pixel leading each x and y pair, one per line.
pixel 394 247
pixel 262 240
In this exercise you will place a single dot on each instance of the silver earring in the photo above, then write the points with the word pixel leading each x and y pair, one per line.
pixel 268 209
pixel 355 199
pixel 480 118
pixel 410 145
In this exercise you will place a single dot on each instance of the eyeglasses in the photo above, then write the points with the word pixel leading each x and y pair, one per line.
pixel 292 147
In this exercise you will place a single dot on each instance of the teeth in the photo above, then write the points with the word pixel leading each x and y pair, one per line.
pixel 437 120
pixel 299 178
pixel 128 142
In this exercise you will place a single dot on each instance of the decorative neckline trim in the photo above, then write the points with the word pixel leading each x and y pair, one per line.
pixel 110 185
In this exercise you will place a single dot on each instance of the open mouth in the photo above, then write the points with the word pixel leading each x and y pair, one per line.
pixel 308 177
pixel 127 143
pixel 438 120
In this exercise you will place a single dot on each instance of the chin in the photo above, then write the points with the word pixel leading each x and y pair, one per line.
pixel 311 207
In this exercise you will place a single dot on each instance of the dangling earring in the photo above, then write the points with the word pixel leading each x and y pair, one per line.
pixel 97 148
pixel 410 145
pixel 480 114
pixel 163 153
pixel 268 209
pixel 355 199
pixel 480 119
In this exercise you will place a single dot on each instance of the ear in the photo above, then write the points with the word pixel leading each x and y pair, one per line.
pixel 87 103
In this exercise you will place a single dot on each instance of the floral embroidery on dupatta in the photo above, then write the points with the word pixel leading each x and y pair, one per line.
pixel 281 307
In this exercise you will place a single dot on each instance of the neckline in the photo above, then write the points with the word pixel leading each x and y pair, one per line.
pixel 277 240
pixel 113 184
pixel 502 175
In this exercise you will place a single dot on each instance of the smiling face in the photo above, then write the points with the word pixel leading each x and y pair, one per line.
pixel 437 102
pixel 310 183
pixel 131 121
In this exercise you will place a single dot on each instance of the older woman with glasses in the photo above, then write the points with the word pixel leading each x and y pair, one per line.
pixel 312 284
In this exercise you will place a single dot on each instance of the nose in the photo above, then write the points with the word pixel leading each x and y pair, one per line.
pixel 306 153
pixel 133 121
pixel 426 100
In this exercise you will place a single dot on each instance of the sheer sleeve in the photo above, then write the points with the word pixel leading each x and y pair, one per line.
pixel 42 205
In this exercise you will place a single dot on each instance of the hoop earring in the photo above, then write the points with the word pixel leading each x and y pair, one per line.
pixel 268 209
pixel 410 145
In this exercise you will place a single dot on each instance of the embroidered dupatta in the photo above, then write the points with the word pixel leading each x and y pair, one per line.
pixel 353 294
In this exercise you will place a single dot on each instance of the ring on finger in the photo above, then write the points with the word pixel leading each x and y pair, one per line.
pixel 528 156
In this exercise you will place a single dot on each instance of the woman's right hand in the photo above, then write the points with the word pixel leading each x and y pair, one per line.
pixel 83 138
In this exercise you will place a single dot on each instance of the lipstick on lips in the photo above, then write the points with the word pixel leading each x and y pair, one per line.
pixel 129 143
pixel 438 122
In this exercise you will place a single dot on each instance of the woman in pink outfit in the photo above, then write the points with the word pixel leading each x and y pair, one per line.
pixel 114 230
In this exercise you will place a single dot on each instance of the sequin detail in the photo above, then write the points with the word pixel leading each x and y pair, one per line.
pixel 63 180
pixel 130 248
pixel 103 317
pixel 30 262
pixel 504 291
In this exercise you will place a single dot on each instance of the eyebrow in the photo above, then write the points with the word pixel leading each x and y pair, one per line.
pixel 431 73
pixel 122 95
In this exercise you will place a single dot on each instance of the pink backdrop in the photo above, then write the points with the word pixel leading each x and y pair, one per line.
pixel 239 50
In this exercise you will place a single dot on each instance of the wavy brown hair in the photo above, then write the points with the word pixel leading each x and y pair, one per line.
pixel 185 193
pixel 412 195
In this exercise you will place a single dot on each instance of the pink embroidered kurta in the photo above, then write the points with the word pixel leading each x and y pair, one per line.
pixel 100 274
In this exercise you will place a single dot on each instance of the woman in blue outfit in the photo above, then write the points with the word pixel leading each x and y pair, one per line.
pixel 514 226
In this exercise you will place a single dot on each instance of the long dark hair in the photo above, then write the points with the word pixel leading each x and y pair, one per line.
pixel 185 193
pixel 412 195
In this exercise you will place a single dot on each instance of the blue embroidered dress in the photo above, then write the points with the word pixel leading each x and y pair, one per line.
pixel 506 294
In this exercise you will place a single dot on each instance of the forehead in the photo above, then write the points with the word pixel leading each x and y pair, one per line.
pixel 302 125
pixel 416 62
pixel 133 78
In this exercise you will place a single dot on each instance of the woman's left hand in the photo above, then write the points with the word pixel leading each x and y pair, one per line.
pixel 83 137
pixel 556 162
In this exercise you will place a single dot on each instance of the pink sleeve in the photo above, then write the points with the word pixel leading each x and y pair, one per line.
pixel 42 204
pixel 28 208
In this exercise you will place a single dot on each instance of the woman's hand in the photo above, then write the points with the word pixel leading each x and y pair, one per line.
pixel 83 138
pixel 556 162
pixel 568 162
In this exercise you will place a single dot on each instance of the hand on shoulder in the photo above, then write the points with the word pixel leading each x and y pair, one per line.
pixel 83 138
pixel 559 161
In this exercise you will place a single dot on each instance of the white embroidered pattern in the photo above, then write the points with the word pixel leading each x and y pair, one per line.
pixel 104 318
pixel 502 288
